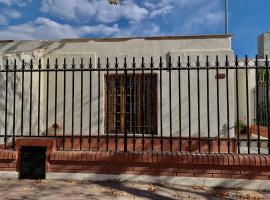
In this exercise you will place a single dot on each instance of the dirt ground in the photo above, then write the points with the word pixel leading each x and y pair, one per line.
pixel 77 190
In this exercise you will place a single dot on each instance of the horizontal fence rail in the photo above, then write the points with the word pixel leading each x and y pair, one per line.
pixel 174 104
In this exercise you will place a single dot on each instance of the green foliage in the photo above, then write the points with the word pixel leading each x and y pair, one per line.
pixel 241 125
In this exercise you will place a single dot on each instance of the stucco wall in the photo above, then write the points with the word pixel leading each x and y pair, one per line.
pixel 129 48
pixel 19 94
pixel 264 44
pixel 148 48
pixel 247 108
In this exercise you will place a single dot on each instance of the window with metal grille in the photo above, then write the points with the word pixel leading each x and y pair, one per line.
pixel 131 103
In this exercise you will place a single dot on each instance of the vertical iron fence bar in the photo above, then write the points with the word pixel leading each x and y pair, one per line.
pixel 125 105
pixel 55 97
pixel 90 104
pixel 143 105
pixel 218 114
pixel 179 104
pixel 99 69
pixel 130 85
pixel 199 102
pixel 265 112
pixel 64 105
pixel 107 105
pixel 47 95
pixel 39 91
pixel 170 100
pixel 228 104
pixel 6 106
pixel 81 121
pixel 115 111
pixel 14 104
pixel 237 104
pixel 189 109
pixel 72 111
pixel 267 103
pixel 257 105
pixel 261 100
pixel 151 105
pixel 208 105
pixel 247 99
pixel 23 67
pixel 134 117
pixel 160 103
pixel 31 97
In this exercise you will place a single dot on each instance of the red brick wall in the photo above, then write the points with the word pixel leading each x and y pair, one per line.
pixel 167 164
pixel 263 130
pixel 147 163
pixel 184 147
pixel 8 160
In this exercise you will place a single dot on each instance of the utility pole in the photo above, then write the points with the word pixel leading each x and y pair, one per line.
pixel 226 17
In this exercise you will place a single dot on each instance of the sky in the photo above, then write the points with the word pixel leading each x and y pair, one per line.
pixel 56 19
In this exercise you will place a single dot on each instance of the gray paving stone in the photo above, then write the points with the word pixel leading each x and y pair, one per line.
pixel 77 190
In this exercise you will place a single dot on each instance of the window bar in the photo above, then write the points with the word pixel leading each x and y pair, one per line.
pixel 199 102
pixel 90 104
pixel 179 103
pixel 237 105
pixel 55 97
pixel 125 105
pixel 81 121
pixel 116 92
pixel 64 105
pixel 208 104
pixel 31 97
pixel 143 104
pixel 99 69
pixel 107 105
pixel 247 98
pixel 228 104
pixel 160 103
pixel 257 105
pixel 267 103
pixel 6 106
pixel 22 122
pixel 218 107
pixel 47 95
pixel 134 104
pixel 72 111
pixel 189 109
pixel 170 100
pixel 39 91
pixel 14 104
pixel 151 106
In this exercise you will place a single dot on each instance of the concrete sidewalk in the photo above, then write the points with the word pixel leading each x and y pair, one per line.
pixel 77 190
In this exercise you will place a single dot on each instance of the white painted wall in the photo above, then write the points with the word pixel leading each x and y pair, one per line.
pixel 129 48
pixel 264 45
pixel 244 92
pixel 35 55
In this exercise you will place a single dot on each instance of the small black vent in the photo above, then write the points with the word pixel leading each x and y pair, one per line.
pixel 33 160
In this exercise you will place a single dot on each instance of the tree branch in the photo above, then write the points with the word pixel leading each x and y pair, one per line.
pixel 114 2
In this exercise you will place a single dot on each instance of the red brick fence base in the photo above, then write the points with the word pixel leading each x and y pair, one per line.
pixel 146 163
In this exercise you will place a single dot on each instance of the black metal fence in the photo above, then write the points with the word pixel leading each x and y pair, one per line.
pixel 165 104
pixel 262 99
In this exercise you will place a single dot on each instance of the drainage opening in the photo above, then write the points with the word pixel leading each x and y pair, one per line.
pixel 33 160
